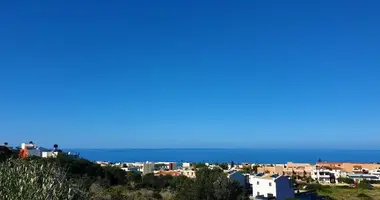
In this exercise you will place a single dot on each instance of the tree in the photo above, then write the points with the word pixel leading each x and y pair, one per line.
pixel 115 175
pixel 211 184
pixel 224 166
pixel 6 153
pixel 179 182
pixel 254 168
pixel 133 178
pixel 199 165
pixel 247 170
pixel 345 180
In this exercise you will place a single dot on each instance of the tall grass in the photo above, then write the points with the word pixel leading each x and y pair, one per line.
pixel 36 180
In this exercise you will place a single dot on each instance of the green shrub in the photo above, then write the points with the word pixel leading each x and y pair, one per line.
pixel 345 180
pixel 33 179
pixel 365 185
pixel 364 196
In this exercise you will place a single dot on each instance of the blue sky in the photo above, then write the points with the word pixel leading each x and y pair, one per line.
pixel 167 74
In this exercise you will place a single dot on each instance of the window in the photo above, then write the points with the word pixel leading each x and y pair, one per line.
pixel 258 182
pixel 270 184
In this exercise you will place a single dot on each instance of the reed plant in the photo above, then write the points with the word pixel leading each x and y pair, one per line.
pixel 37 180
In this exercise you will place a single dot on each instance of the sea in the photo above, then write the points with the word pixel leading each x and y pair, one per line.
pixel 273 156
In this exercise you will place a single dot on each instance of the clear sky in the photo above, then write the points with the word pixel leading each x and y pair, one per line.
pixel 200 73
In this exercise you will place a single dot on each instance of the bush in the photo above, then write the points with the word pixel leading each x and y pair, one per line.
pixel 364 196
pixel 33 179
pixel 364 185
pixel 345 180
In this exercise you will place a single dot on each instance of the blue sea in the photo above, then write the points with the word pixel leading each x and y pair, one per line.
pixel 228 155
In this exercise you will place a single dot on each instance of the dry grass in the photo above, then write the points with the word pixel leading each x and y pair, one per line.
pixel 341 193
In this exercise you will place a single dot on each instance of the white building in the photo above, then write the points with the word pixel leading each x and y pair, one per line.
pixel 186 165
pixel 143 167
pixel 167 165
pixel 189 173
pixel 360 177
pixel 271 186
pixel 327 175
pixel 147 168
pixel 375 172
pixel 49 154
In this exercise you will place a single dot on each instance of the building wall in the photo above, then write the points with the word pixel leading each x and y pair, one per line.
pixel 284 188
pixel 189 173
pixel 34 152
pixel 148 168
pixel 27 145
pixel 49 154
pixel 263 187
pixel 348 167
pixel 271 169
pixel 186 165
pixel 172 166
pixel 298 169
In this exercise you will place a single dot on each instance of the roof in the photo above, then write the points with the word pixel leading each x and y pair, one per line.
pixel 43 149
pixel 172 173
pixel 331 168
pixel 268 176
pixel 260 174
pixel 232 172
pixel 275 176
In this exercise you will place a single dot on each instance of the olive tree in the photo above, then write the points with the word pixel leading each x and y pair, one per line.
pixel 37 180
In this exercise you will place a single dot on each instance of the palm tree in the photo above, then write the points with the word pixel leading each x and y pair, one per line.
pixel 5 143
pixel 31 142
pixel 55 146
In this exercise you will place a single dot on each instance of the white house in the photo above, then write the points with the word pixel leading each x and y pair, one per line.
pixel 143 167
pixel 271 186
pixel 186 165
pixel 360 177
pixel 327 175
pixel 49 154
pixel 189 173
pixel 375 172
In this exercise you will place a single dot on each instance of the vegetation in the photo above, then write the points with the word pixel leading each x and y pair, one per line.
pixel 6 153
pixel 345 192
pixel 210 184
pixel 249 169
pixel 345 180
pixel 224 166
pixel 70 178
pixel 199 165
pixel 21 179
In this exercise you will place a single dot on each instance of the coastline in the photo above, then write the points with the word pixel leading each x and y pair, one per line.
pixel 228 155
